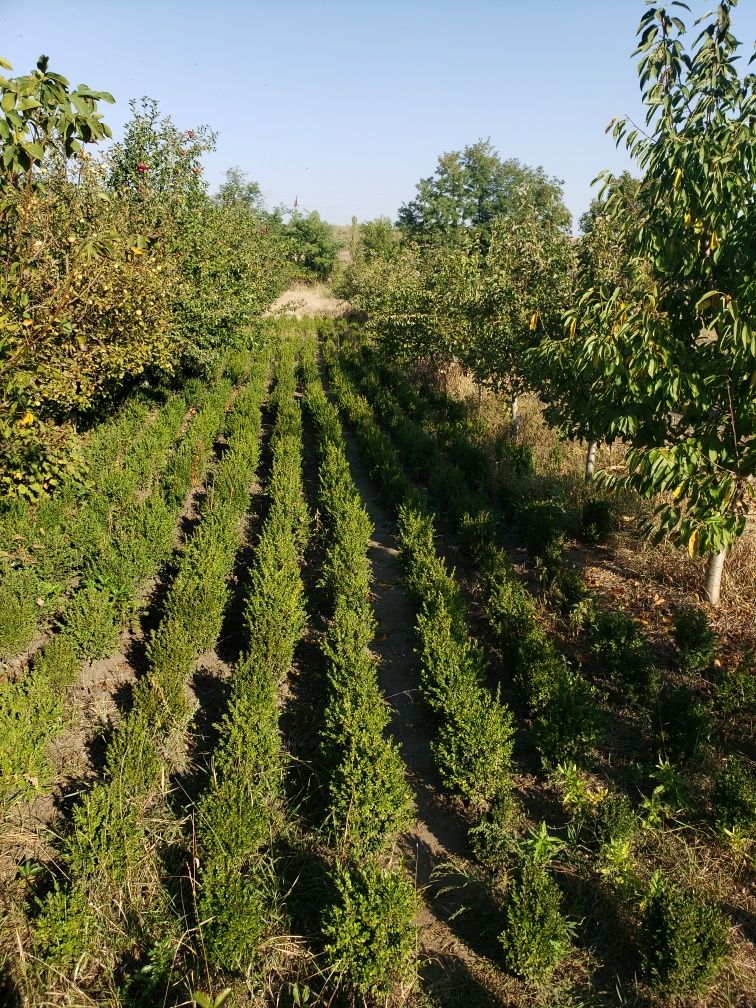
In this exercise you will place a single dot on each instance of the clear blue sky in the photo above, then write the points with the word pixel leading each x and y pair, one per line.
pixel 348 104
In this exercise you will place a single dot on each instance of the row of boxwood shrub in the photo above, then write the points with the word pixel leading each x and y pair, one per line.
pixel 112 906
pixel 370 930
pixel 473 742
pixel 128 539
pixel 562 702
pixel 51 548
pixel 241 814
pixel 682 940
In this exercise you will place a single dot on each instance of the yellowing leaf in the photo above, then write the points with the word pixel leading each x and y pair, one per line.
pixel 678 178
pixel 533 321
pixel 136 250
pixel 26 419
pixel 693 544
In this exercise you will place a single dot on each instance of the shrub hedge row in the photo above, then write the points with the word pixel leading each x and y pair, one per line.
pixel 240 814
pixel 473 742
pixel 564 705
pixel 112 903
pixel 370 931
pixel 119 538
pixel 682 940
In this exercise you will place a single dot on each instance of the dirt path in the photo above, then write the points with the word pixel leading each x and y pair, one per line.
pixel 454 946
pixel 308 301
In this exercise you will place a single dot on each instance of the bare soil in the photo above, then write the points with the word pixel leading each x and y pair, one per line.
pixel 308 301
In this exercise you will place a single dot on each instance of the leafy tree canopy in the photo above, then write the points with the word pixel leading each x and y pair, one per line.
pixel 470 189
pixel 313 247
pixel 666 348
pixel 377 239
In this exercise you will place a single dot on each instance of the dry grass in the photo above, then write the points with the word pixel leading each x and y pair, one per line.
pixel 308 301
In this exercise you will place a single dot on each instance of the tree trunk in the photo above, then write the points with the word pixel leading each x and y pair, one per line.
pixel 713 582
pixel 590 460
pixel 515 418
pixel 480 397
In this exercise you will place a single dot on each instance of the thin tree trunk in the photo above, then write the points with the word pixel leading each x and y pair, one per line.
pixel 515 418
pixel 713 582
pixel 590 460
pixel 480 397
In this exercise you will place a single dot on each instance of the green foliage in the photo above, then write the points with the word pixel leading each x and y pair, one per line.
pixel 31 712
pixel 370 932
pixel 569 590
pixel 683 939
pixel 93 620
pixel 376 240
pixel 117 271
pixel 570 719
pixel 514 458
pixel 694 638
pixel 473 746
pixel 567 713
pixel 734 688
pixel 664 355
pixel 623 654
pixel 683 724
pixel 470 189
pixel 535 938
pixel 733 796
pixel 239 814
pixel 542 522
pixel 310 244
pixel 490 275
pixel 113 854
pixel 611 820
pixel 494 836
pixel 369 800
pixel 20 609
pixel 203 1000
pixel 598 520
pixel 115 538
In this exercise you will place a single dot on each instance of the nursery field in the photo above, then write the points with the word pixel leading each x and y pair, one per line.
pixel 306 699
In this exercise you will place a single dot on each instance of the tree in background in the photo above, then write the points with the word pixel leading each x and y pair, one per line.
pixel 230 254
pixel 470 189
pixel 377 239
pixel 312 246
pixel 529 275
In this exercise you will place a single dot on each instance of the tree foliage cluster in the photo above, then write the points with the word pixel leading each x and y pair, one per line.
pixel 115 270
pixel 641 329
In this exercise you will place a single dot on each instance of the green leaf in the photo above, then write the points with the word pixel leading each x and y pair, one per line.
pixel 36 150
